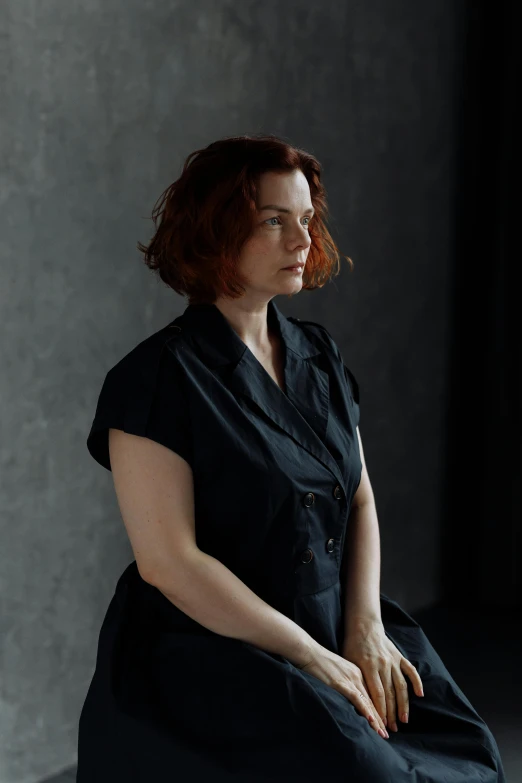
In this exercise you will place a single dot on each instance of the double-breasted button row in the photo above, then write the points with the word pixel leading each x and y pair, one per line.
pixel 309 498
pixel 307 555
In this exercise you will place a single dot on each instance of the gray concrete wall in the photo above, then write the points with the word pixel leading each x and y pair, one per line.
pixel 101 102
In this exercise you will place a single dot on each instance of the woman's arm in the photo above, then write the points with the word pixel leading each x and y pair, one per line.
pixel 364 557
pixel 154 488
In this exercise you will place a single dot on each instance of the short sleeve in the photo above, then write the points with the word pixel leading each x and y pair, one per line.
pixel 143 395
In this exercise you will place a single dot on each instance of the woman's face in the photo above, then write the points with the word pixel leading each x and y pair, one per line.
pixel 279 238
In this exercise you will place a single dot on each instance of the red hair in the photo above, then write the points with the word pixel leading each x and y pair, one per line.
pixel 203 219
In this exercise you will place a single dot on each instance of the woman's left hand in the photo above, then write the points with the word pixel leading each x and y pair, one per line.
pixel 383 667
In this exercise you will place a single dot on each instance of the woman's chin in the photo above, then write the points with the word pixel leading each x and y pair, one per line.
pixel 292 286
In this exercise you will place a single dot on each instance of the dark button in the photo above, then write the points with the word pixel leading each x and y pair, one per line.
pixel 309 499
pixel 338 493
pixel 175 326
pixel 330 544
pixel 306 556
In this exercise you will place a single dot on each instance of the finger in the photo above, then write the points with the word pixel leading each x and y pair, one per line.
pixel 409 669
pixel 365 706
pixel 377 721
pixel 401 692
pixel 391 702
pixel 378 694
pixel 371 709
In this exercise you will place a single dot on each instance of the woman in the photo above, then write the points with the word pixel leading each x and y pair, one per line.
pixel 248 640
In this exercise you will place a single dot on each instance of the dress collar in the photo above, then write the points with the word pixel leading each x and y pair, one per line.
pixel 224 345
pixel 301 411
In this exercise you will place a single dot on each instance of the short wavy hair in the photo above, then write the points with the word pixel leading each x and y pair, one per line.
pixel 203 218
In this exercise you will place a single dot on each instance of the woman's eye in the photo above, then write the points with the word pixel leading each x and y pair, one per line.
pixel 276 218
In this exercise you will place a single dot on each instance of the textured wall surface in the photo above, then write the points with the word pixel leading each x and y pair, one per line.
pixel 101 103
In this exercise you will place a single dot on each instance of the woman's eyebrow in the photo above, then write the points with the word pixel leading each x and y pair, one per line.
pixel 282 209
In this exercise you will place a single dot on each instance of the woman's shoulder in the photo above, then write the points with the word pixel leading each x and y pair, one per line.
pixel 143 394
pixel 324 339
pixel 319 333
pixel 147 354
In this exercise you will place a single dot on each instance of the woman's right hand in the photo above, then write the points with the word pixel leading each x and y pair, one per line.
pixel 346 678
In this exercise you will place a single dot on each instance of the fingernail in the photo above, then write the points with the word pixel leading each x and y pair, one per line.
pixel 405 717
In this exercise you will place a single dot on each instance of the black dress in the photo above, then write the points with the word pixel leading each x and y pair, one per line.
pixel 274 476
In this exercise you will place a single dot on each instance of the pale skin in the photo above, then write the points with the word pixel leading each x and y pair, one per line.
pixel 383 666
pixel 279 239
